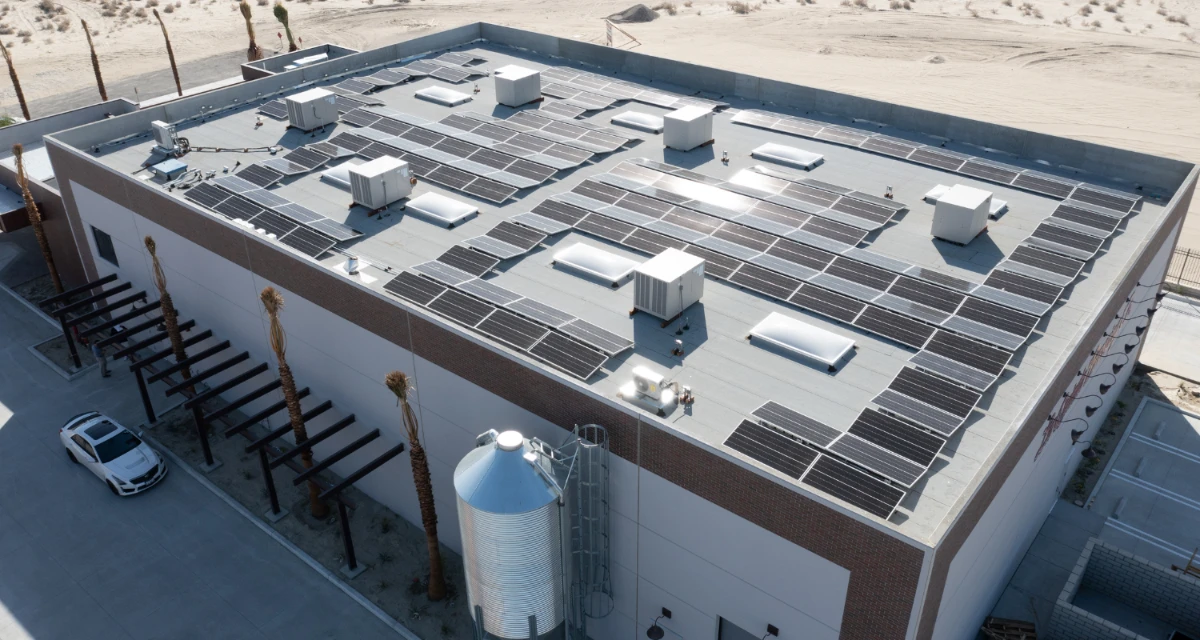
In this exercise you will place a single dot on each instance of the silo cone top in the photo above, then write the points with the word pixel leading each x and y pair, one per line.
pixel 497 478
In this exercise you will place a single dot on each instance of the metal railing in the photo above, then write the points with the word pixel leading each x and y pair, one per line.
pixel 1184 271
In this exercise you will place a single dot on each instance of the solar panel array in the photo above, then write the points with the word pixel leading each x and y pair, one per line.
pixel 818 198
pixel 450 67
pixel 598 87
pixel 569 344
pixel 983 169
pixel 577 134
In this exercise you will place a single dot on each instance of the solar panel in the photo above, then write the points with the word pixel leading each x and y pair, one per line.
pixel 334 229
pixel 1070 243
pixel 715 264
pixel 872 457
pixel 604 340
pixel 531 170
pixel 450 75
pixel 485 290
pixel 796 423
pixel 238 207
pixel 494 247
pixel 898 436
pixel 827 303
pixel 359 118
pixel 727 248
pixel 259 175
pixel 771 448
pixel 350 141
pixel 993 315
pixel 490 190
pixel 894 326
pixel 1116 201
pixel 563 109
pixel 969 352
pixel 512 329
pixel 456 58
pixel 420 67
pixel 651 242
pixel 988 171
pixel 265 198
pixel 541 223
pixel 274 109
pixel 568 355
pixel 939 159
pixel 327 148
pixel 842 136
pixel 391 127
pixel 927 294
pixel 388 76
pixel 273 223
pixel 942 279
pixel 1044 184
pixel 765 282
pixel 861 273
pixel 855 487
pixel 206 194
pixel 605 227
pixel 516 235
pixel 935 391
pixel 807 256
pixel 543 313
pixel 874 214
pixel 468 260
pixel 298 213
pixel 834 230
pixel 234 184
pixel 889 146
pixel 414 288
pixel 355 85
pixel 307 158
pixel 461 308
pixel 756 241
pixel 451 177
pixel 443 273
pixel 1043 265
pixel 1084 220
pixel 1023 286
pixel 308 242
pixel 560 211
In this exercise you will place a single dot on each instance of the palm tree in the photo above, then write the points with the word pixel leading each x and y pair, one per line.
pixel 401 386
pixel 169 315
pixel 35 216
pixel 281 14
pixel 253 53
pixel 170 52
pixel 95 61
pixel 12 73
pixel 273 303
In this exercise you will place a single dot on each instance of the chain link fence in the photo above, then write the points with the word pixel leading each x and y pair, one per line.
pixel 1183 275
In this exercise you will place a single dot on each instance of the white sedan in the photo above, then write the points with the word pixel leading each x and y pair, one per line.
pixel 112 452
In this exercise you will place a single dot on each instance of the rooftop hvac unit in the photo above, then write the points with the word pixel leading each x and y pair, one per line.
pixel 311 109
pixel 687 128
pixel 668 283
pixel 380 182
pixel 516 86
pixel 961 214
pixel 164 136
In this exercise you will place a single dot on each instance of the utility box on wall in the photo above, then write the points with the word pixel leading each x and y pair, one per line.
pixel 687 128
pixel 516 86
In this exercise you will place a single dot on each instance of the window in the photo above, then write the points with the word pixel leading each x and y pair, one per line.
pixel 104 246
pixel 117 446
pixel 83 444
pixel 730 631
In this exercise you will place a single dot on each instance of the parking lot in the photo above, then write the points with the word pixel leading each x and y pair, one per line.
pixel 176 562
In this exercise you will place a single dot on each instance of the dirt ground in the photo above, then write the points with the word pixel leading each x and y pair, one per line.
pixel 393 550
pixel 57 352
pixel 1158 385
pixel 37 289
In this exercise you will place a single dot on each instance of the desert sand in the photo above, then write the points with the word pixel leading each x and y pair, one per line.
pixel 1124 73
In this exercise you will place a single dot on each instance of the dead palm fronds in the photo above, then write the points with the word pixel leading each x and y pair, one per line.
pixel 401 385
pixel 12 73
pixel 35 217
pixel 170 52
pixel 281 14
pixel 169 315
pixel 95 60
pixel 253 52
pixel 273 303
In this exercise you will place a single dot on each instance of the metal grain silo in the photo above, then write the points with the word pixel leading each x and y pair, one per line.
pixel 511 519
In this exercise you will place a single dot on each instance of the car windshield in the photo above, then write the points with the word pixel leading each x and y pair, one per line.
pixel 117 446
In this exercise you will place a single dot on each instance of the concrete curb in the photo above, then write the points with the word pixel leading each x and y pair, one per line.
pixel 395 625
pixel 32 307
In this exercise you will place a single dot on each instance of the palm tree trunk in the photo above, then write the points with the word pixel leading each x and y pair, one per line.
pixel 12 73
pixel 170 53
pixel 95 60
pixel 281 14
pixel 401 385
pixel 273 303
pixel 253 52
pixel 169 314
pixel 35 217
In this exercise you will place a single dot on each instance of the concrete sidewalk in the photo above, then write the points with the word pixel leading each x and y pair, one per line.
pixel 177 562
pixel 1172 338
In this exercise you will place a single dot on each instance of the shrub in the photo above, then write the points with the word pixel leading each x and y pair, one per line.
pixel 150 4
pixel 1119 18
pixel 668 7
pixel 688 4
pixel 1085 10
pixel 5 30
pixel 140 13
pixel 742 8
pixel 895 4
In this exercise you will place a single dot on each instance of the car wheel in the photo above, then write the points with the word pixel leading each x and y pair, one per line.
pixel 72 456
pixel 112 488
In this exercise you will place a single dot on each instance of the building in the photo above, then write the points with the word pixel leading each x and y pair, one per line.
pixel 904 528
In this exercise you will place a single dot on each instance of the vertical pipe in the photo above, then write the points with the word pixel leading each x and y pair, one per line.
pixel 202 433
pixel 351 561
pixel 151 418
pixel 70 342
pixel 269 479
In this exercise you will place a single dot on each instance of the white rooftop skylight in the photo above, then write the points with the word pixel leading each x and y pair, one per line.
pixel 440 209
pixel 597 263
pixel 791 156
pixel 640 121
pixel 442 95
pixel 803 339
